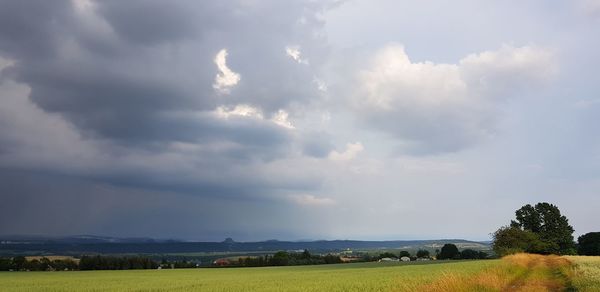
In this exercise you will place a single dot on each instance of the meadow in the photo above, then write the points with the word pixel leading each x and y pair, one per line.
pixel 520 272
pixel 587 272
pixel 339 277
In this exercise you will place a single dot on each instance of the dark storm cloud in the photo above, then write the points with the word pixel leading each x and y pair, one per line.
pixel 29 28
pixel 45 204
pixel 160 58
pixel 115 117
pixel 131 86
pixel 151 22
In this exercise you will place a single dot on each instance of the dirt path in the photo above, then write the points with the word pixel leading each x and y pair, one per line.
pixel 520 272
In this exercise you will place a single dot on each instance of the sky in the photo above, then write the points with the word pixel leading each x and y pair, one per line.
pixel 296 119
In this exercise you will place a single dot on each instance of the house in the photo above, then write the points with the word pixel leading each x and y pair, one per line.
pixel 388 260
pixel 405 259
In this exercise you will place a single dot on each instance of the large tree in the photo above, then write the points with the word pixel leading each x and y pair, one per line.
pixel 546 221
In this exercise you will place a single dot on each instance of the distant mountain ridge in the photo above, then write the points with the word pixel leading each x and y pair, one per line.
pixel 90 244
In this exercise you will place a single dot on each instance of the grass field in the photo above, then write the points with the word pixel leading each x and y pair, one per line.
pixel 514 273
pixel 587 273
pixel 342 277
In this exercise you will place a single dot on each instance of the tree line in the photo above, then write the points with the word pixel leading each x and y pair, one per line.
pixel 116 263
pixel 284 258
pixel 448 252
pixel 20 263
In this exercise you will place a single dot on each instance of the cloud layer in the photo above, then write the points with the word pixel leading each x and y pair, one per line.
pixel 324 119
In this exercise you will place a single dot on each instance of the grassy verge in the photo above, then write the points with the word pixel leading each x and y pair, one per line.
pixel 520 272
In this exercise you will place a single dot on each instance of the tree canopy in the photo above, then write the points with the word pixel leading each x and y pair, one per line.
pixel 449 251
pixel 508 240
pixel 537 229
pixel 589 244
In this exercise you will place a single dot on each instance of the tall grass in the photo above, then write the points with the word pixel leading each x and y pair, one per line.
pixel 586 273
pixel 519 272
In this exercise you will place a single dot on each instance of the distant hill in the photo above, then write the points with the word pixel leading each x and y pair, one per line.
pixel 88 244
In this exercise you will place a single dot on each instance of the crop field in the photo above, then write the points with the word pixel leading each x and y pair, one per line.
pixel 587 273
pixel 520 272
pixel 340 277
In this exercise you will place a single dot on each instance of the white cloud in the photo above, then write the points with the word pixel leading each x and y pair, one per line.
pixel 295 53
pixel 310 200
pixel 226 78
pixel 352 150
pixel 240 110
pixel 445 107
pixel 281 118
pixel 497 73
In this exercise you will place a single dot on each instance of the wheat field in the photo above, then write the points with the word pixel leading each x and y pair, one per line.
pixel 520 272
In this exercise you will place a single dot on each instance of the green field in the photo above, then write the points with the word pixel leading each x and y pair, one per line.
pixel 341 277
pixel 516 273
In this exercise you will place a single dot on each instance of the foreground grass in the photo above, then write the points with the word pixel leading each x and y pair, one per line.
pixel 343 277
pixel 520 272
pixel 587 273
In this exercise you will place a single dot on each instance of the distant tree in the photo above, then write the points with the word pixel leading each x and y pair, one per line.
pixel 332 259
pixel 115 263
pixel 404 253
pixel 483 255
pixel 589 244
pixel 18 263
pixel 553 229
pixel 469 254
pixel 449 251
pixel 280 258
pixel 306 254
pixel 387 255
pixel 422 253
pixel 5 264
pixel 368 258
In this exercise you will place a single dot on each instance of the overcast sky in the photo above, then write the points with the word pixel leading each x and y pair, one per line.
pixel 297 119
